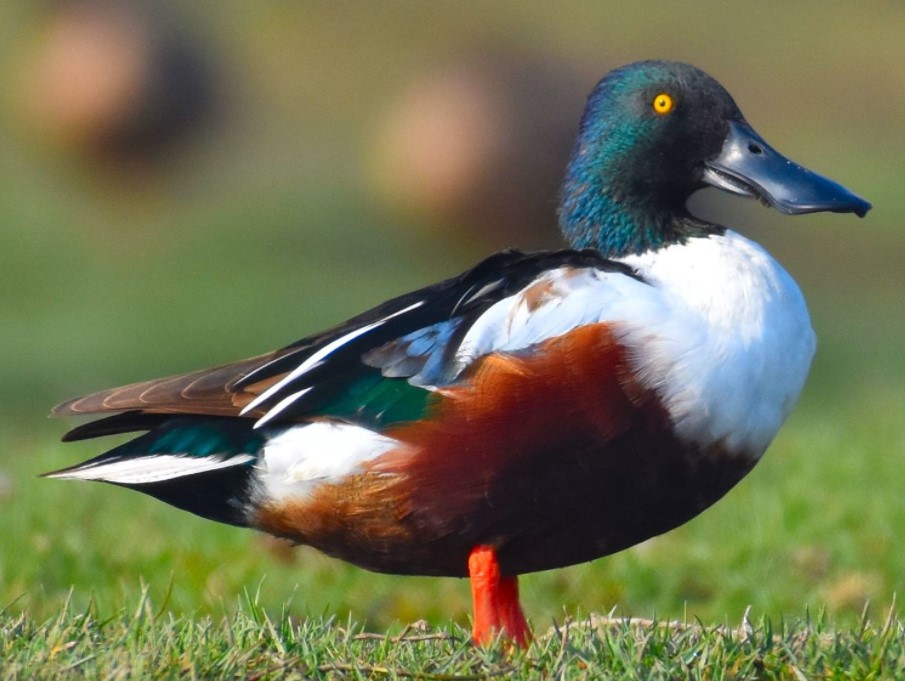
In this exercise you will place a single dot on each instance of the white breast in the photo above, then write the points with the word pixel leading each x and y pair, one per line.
pixel 730 345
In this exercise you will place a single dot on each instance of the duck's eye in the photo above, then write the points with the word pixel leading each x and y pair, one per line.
pixel 663 103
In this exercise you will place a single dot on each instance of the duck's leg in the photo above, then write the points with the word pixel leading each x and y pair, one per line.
pixel 495 598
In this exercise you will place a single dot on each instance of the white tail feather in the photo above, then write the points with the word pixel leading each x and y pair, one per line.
pixel 149 469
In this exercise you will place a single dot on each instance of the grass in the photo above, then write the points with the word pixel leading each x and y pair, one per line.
pixel 148 642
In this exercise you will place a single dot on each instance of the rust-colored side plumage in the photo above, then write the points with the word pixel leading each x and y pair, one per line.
pixel 553 457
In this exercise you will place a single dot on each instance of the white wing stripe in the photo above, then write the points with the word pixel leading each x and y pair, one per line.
pixel 319 356
pixel 279 407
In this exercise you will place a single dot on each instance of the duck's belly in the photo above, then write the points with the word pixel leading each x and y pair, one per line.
pixel 581 503
pixel 553 461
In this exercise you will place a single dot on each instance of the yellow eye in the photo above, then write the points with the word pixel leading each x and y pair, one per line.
pixel 663 103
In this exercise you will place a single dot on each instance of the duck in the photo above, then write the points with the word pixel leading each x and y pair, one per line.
pixel 539 410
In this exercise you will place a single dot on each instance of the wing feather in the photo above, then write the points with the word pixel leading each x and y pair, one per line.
pixel 416 337
pixel 205 392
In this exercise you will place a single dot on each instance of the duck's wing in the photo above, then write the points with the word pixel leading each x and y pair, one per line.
pixel 426 337
pixel 207 391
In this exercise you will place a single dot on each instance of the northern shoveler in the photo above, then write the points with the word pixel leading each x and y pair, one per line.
pixel 539 410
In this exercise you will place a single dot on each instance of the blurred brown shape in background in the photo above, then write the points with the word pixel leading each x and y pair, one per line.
pixel 482 144
pixel 120 83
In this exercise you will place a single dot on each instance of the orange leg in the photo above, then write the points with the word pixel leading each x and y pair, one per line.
pixel 495 597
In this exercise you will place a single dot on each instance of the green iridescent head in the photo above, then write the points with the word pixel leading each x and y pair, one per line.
pixel 652 134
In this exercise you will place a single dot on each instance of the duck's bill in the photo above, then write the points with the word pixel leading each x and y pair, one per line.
pixel 747 165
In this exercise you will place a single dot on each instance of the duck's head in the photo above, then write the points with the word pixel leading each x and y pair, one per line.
pixel 653 133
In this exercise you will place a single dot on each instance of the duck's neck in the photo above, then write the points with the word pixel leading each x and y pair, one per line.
pixel 591 218
pixel 615 208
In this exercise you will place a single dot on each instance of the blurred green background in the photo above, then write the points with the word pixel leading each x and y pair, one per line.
pixel 284 194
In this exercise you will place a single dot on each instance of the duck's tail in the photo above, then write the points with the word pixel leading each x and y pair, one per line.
pixel 200 464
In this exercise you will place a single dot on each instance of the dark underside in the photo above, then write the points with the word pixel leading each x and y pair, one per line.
pixel 570 460
pixel 591 503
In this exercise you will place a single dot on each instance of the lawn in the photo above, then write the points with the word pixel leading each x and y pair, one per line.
pixel 268 228
pixel 253 644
